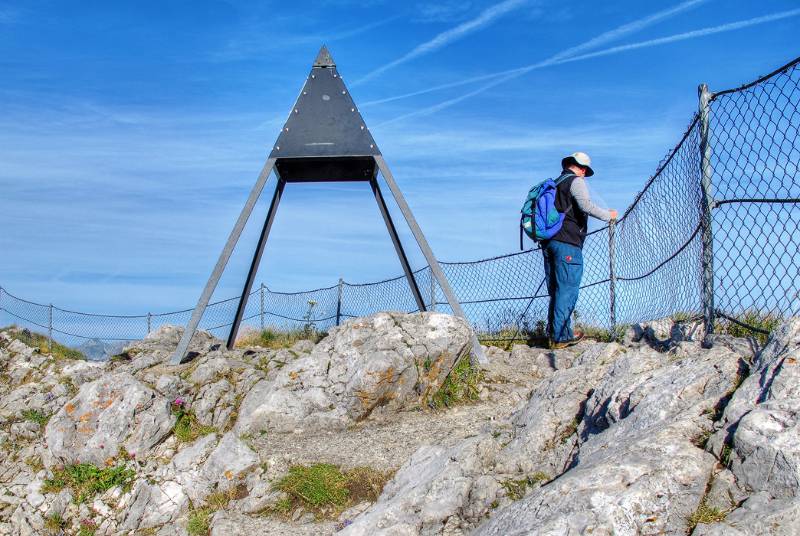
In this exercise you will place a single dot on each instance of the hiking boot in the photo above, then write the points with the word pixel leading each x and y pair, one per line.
pixel 560 345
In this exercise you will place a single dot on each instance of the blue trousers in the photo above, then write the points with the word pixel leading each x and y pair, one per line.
pixel 563 269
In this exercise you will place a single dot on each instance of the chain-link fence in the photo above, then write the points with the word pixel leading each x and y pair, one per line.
pixel 713 233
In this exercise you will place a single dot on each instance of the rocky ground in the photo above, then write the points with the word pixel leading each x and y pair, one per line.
pixel 653 435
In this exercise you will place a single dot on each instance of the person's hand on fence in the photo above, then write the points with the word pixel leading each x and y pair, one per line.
pixel 614 214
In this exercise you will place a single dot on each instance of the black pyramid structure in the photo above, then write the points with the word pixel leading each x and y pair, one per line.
pixel 324 139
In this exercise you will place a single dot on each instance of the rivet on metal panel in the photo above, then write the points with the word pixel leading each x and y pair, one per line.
pixel 371 146
pixel 344 92
pixel 277 147
pixel 305 92
pixel 296 111
pixel 362 127
pixel 313 76
pixel 352 109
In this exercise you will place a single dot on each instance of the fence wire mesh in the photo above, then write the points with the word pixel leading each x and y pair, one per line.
pixel 649 265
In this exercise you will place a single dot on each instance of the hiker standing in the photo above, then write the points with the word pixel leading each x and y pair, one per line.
pixel 563 252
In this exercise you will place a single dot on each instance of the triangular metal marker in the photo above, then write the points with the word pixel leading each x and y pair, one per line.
pixel 324 139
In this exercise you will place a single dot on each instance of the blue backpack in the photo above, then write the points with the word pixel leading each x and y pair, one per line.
pixel 540 219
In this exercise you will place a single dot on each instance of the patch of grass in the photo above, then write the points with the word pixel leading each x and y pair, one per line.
pixel 199 521
pixel 725 455
pixel 86 480
pixel 764 321
pixel 87 528
pixel 186 428
pixel 274 339
pixel 220 499
pixel 599 334
pixel 684 316
pixel 515 489
pixel 326 490
pixel 55 524
pixel 31 338
pixel 35 463
pixel 701 440
pixel 508 334
pixel 462 385
pixel 36 416
pixel 705 514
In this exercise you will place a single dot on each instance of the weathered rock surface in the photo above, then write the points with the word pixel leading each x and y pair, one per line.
pixel 387 361
pixel 635 438
pixel 116 411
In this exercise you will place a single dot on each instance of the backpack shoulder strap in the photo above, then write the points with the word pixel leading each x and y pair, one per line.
pixel 563 178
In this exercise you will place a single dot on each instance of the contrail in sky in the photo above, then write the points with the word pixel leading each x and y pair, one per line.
pixel 486 17
pixel 514 73
pixel 601 39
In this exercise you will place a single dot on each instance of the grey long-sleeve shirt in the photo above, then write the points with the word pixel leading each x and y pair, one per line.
pixel 580 193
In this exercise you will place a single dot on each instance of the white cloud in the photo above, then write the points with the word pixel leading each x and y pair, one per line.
pixel 504 76
pixel 486 17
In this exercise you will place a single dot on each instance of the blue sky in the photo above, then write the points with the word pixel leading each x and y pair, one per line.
pixel 131 133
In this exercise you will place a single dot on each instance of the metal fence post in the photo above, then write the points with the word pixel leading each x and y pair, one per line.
pixel 339 302
pixel 262 306
pixel 149 323
pixel 706 206
pixel 612 274
pixel 50 328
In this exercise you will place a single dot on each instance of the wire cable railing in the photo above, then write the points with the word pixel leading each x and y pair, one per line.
pixel 714 232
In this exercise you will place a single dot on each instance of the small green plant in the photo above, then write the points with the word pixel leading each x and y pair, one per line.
pixel 317 486
pixel 601 334
pixel 725 455
pixel 87 480
pixel 35 463
pixel 763 321
pixel 88 527
pixel 199 520
pixel 186 428
pixel 462 385
pixel 515 489
pixel 705 514
pixel 55 524
pixel 701 440
pixel 36 416
pixel 327 490
pixel 309 327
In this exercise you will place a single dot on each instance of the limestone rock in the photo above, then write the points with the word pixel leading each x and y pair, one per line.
pixel 388 360
pixel 761 424
pixel 430 488
pixel 113 412
pixel 758 516
pixel 651 486
pixel 153 505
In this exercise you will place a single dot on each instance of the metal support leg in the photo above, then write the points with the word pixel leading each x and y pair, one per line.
pixel 706 219
pixel 398 246
pixel 211 285
pixel 251 275
pixel 477 351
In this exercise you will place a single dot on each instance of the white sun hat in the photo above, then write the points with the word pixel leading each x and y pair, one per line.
pixel 582 159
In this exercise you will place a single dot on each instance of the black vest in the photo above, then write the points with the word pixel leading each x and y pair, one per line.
pixel 576 221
